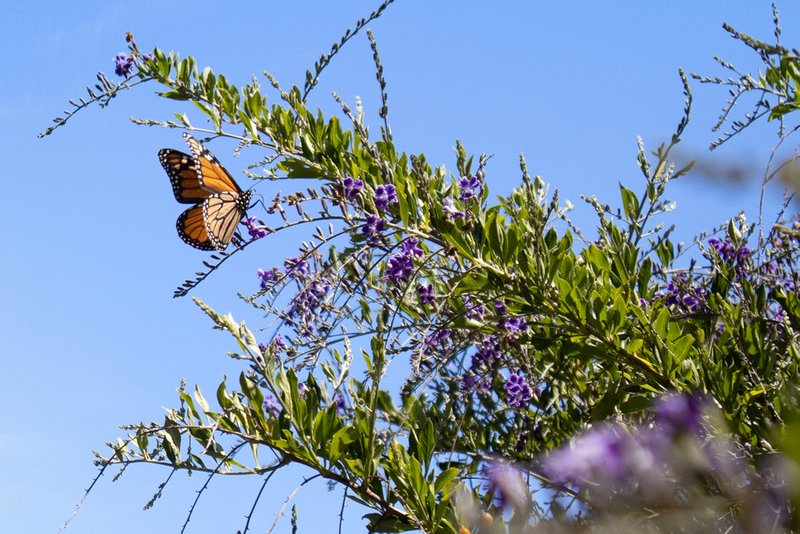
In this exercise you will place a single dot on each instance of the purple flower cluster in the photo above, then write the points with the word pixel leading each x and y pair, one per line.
pixel 482 364
pixel 373 227
pixel 435 342
pixel 473 310
pixel 514 326
pixel 449 208
pixel 123 65
pixel 352 187
pixel 681 294
pixel 267 276
pixel 255 230
pixel 385 195
pixel 306 303
pixel 728 251
pixel 518 391
pixel 470 187
pixel 425 294
pixel 401 265
pixel 488 353
pixel 296 267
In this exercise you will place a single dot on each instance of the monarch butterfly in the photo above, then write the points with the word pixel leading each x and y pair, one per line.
pixel 219 202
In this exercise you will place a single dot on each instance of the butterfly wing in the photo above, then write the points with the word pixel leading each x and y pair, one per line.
pixel 221 214
pixel 192 228
pixel 211 174
pixel 182 171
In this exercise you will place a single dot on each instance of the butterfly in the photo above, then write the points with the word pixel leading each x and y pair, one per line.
pixel 219 202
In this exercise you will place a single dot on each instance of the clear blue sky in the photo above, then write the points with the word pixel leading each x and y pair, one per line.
pixel 91 337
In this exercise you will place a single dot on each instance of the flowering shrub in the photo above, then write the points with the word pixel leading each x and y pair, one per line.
pixel 555 382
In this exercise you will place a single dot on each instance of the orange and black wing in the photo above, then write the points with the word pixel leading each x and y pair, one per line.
pixel 222 213
pixel 182 171
pixel 210 173
pixel 192 228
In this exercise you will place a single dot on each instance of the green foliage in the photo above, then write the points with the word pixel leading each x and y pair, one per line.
pixel 595 329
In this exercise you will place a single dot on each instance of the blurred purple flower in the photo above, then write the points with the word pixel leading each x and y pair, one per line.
pixel 339 401
pixel 596 456
pixel 271 406
pixel 680 414
pixel 508 486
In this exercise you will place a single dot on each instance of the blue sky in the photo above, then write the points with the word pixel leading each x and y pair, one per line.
pixel 91 337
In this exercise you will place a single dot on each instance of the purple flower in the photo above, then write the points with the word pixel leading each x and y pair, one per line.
pixel 469 187
pixel 267 276
pixel 398 269
pixel 123 65
pixel 373 227
pixel 472 310
pixel 500 307
pixel 448 206
pixel 253 228
pixel 338 400
pixel 436 341
pixel 518 392
pixel 488 353
pixel 425 294
pixel 302 389
pixel 296 267
pixel 306 303
pixel 276 345
pixel 508 486
pixel 409 246
pixel 514 325
pixel 385 194
pixel 271 406
pixel 685 297
pixel 476 382
pixel 352 187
